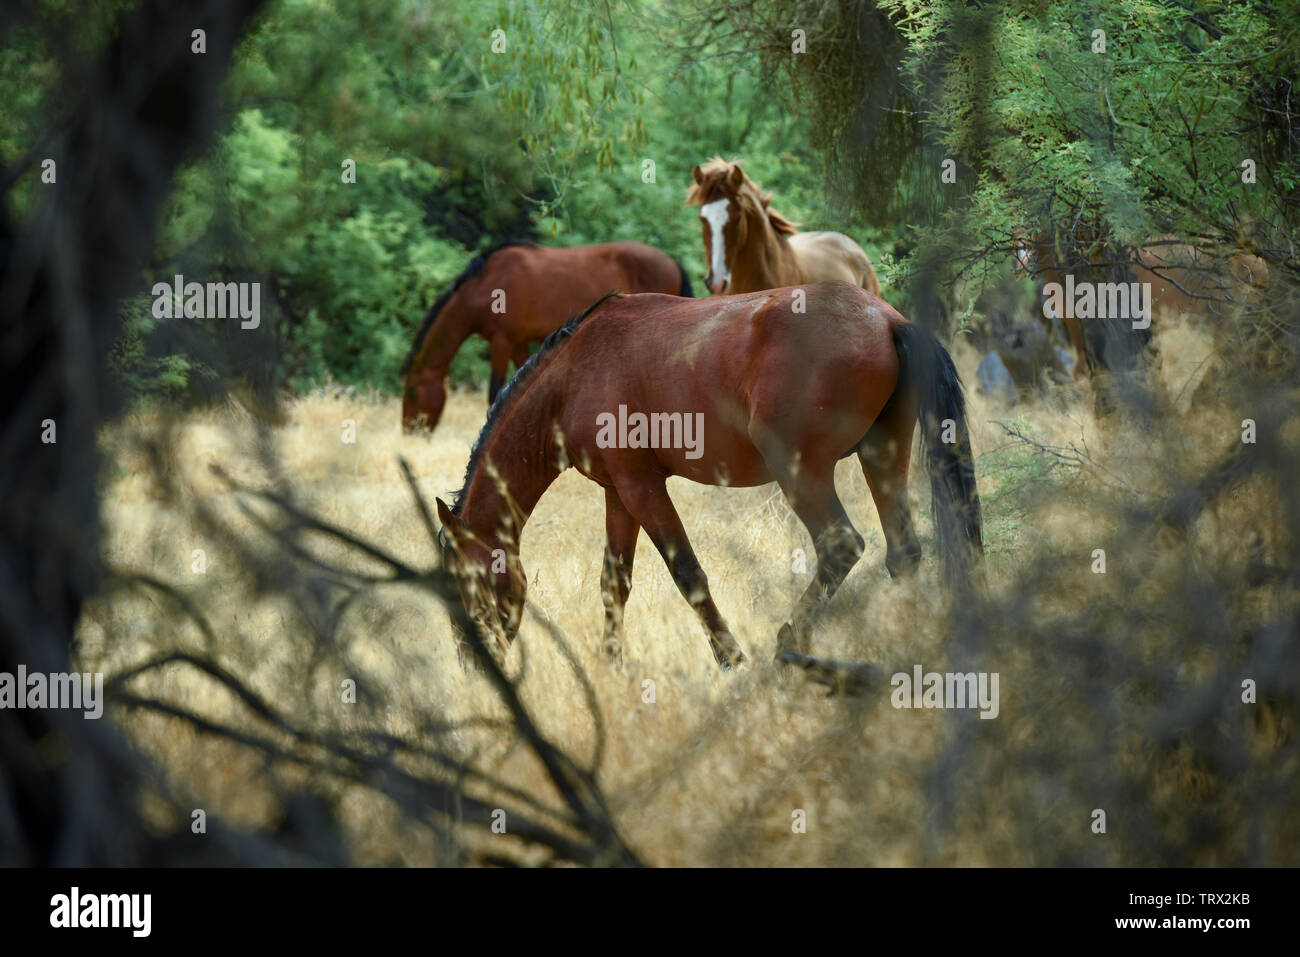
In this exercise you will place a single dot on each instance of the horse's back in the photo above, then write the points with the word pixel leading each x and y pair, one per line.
pixel 810 366
pixel 544 285
pixel 1186 279
pixel 625 266
pixel 564 280
pixel 826 256
pixel 816 323
pixel 644 268
pixel 832 299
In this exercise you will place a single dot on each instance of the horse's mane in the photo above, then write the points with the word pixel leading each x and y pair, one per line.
pixel 716 174
pixel 515 386
pixel 474 268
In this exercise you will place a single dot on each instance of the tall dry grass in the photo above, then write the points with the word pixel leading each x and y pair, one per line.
pixel 699 767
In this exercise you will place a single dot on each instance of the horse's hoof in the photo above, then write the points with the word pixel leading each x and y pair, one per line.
pixel 729 658
pixel 785 639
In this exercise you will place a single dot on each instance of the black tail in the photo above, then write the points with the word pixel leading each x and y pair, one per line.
pixel 686 283
pixel 926 367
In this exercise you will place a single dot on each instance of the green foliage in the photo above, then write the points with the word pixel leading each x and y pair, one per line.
pixel 40 76
pixel 550 136
pixel 463 136
pixel 559 72
pixel 1009 475
pixel 1142 138
pixel 1050 133
pixel 143 370
pixel 672 102
pixel 456 147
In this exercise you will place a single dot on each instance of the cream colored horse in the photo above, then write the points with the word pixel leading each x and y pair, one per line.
pixel 750 247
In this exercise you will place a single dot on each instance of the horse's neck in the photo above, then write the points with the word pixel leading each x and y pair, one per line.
pixel 523 450
pixel 767 261
pixel 458 320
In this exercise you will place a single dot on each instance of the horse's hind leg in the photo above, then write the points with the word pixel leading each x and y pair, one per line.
pixel 647 501
pixel 837 544
pixel 885 455
pixel 808 481
pixel 621 531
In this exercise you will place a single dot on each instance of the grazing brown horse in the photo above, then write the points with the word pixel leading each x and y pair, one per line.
pixel 739 391
pixel 750 246
pixel 1183 279
pixel 517 293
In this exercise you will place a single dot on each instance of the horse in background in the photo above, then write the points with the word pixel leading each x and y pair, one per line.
pixel 740 391
pixel 750 246
pixel 1183 278
pixel 517 293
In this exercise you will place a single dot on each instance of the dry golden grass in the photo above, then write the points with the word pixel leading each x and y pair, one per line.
pixel 712 770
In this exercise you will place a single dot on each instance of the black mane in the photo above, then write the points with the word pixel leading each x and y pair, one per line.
pixel 474 268
pixel 513 387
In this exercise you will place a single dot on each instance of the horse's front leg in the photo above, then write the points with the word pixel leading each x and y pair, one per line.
pixel 499 352
pixel 621 531
pixel 646 498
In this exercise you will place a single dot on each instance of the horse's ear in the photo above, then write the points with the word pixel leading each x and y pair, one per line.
pixel 736 177
pixel 695 175
pixel 450 522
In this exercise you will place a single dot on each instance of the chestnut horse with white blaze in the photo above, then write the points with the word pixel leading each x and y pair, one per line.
pixel 739 391
pixel 750 246
pixel 517 293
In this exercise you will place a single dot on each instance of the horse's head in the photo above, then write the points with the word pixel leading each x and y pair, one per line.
pixel 423 396
pixel 719 191
pixel 489 575
pixel 1026 257
pixel 735 215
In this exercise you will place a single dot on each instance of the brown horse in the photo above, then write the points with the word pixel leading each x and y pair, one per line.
pixel 750 246
pixel 736 391
pixel 1181 278
pixel 517 293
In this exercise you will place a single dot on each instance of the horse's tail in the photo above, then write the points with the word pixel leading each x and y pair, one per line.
pixel 687 292
pixel 926 367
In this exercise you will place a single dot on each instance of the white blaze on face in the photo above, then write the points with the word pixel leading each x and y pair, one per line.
pixel 1022 254
pixel 716 215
